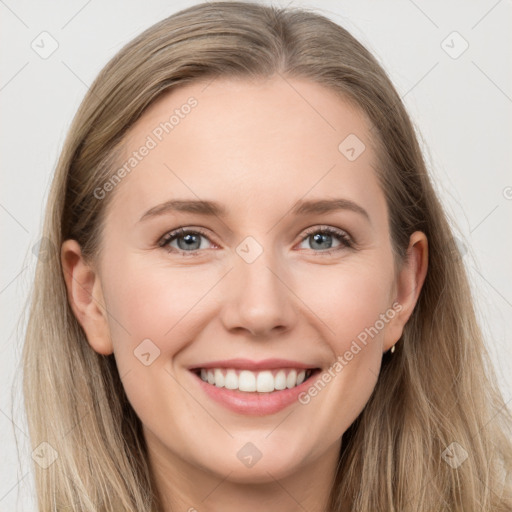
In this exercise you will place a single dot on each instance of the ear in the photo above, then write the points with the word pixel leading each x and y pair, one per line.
pixel 86 297
pixel 408 286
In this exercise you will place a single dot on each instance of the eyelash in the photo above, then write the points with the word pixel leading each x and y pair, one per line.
pixel 342 236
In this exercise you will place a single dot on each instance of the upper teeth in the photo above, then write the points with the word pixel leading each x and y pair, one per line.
pixel 263 382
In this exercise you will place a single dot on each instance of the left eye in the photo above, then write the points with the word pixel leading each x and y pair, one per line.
pixel 189 241
pixel 325 235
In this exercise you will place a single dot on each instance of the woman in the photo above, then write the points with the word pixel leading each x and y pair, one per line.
pixel 258 301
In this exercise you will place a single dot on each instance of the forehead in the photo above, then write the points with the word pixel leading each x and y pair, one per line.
pixel 250 144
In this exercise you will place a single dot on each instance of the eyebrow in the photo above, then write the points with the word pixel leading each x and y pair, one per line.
pixel 212 208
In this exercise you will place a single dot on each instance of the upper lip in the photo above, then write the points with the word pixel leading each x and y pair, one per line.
pixel 248 364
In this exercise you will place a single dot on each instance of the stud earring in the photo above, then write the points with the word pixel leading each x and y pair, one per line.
pixel 392 350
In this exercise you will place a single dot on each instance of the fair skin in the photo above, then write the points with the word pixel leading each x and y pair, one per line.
pixel 255 147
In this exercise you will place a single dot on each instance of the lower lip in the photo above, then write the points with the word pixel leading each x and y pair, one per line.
pixel 254 404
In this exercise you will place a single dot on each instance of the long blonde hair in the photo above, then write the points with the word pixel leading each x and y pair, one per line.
pixel 436 389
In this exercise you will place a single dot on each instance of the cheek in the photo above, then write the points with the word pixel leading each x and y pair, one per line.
pixel 349 300
pixel 365 312
pixel 155 312
pixel 355 310
pixel 155 302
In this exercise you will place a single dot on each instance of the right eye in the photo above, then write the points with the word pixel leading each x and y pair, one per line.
pixel 188 241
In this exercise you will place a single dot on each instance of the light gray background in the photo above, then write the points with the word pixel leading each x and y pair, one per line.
pixel 461 106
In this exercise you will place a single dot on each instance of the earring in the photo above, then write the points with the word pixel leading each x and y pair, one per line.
pixel 392 350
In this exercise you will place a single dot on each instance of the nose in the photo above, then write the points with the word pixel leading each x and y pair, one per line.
pixel 258 299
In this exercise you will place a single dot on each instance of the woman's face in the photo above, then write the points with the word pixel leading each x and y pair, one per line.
pixel 258 293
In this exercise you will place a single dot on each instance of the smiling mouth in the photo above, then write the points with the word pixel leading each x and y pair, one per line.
pixel 265 381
